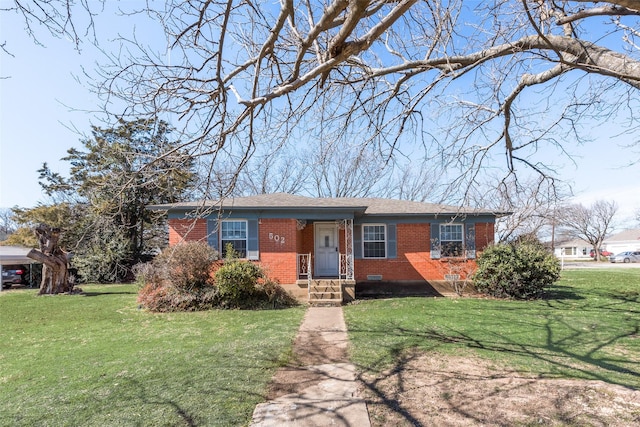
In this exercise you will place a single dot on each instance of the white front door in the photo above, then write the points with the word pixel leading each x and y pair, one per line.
pixel 326 250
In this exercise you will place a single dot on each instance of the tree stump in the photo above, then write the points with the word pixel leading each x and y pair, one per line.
pixel 55 261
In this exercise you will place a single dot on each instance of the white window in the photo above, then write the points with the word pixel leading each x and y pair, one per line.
pixel 234 233
pixel 374 241
pixel 452 240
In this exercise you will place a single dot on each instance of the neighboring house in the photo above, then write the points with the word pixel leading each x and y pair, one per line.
pixel 573 249
pixel 627 240
pixel 333 248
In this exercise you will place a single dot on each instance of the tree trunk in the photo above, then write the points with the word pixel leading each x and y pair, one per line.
pixel 55 269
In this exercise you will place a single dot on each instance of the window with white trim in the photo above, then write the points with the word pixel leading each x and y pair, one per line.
pixel 234 233
pixel 452 240
pixel 374 241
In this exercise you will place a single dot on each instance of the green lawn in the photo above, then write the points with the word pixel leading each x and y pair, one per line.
pixel 97 360
pixel 588 327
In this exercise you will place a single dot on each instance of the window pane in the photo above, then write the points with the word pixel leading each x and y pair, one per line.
pixel 451 238
pixel 374 241
pixel 234 233
pixel 373 232
pixel 452 249
pixel 451 232
pixel 239 246
pixel 234 230
pixel 374 249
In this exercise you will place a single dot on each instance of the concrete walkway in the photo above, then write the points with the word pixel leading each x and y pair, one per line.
pixel 322 383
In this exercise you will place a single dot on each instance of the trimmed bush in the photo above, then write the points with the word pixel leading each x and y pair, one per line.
pixel 520 270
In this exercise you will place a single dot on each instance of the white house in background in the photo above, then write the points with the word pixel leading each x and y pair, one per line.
pixel 573 249
pixel 627 240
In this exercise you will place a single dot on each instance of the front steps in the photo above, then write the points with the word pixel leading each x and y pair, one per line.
pixel 325 292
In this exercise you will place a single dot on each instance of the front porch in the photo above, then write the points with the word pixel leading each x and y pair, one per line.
pixel 327 270
pixel 326 290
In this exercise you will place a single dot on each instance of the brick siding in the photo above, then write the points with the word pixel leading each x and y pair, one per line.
pixel 414 262
pixel 280 241
pixel 181 230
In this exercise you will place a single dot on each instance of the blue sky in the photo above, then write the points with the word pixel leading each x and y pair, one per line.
pixel 43 107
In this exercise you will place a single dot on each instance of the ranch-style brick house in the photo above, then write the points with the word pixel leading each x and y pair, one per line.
pixel 337 248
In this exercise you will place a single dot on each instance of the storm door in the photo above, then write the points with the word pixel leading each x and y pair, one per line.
pixel 326 250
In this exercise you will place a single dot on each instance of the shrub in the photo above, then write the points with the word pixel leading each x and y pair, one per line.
pixel 237 280
pixel 169 299
pixel 179 279
pixel 187 266
pixel 275 295
pixel 519 270
pixel 182 278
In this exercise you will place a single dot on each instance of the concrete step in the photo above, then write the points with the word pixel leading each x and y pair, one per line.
pixel 327 297
pixel 325 302
pixel 325 292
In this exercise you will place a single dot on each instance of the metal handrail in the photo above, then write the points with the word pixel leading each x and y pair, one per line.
pixel 304 269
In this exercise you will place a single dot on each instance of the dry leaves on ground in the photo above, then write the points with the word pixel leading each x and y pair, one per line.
pixel 459 391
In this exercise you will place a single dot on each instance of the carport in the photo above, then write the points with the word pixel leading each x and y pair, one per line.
pixel 10 255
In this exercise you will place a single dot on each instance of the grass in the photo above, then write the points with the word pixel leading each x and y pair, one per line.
pixel 97 360
pixel 587 327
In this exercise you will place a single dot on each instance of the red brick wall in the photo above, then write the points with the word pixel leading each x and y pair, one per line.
pixel 306 239
pixel 187 230
pixel 280 242
pixel 485 233
pixel 413 261
pixel 279 245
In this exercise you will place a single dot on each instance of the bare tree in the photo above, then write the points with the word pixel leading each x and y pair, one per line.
pixel 274 172
pixel 7 223
pixel 591 224
pixel 532 205
pixel 456 78
pixel 73 19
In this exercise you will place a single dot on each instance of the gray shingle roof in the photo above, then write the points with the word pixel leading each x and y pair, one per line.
pixel 369 206
pixel 625 236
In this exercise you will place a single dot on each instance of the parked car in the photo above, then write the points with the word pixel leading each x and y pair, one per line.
pixel 628 256
pixel 13 275
pixel 602 253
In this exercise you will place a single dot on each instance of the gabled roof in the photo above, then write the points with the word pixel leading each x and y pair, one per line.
pixel 368 206
pixel 571 243
pixel 625 236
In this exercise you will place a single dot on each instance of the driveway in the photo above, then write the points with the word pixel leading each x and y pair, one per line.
pixel 579 265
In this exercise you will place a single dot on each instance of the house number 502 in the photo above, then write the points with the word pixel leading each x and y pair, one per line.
pixel 277 238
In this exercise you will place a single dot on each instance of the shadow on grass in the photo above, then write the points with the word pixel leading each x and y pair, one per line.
pixel 563 350
pixel 98 294
pixel 561 293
